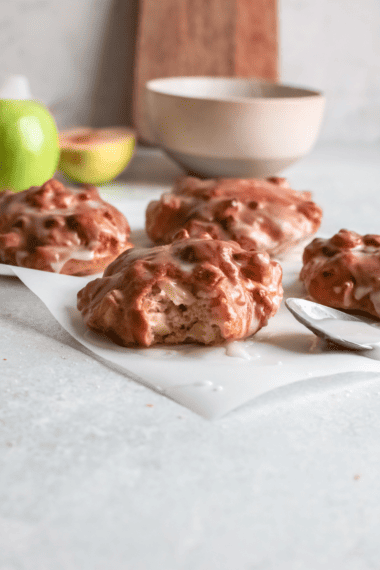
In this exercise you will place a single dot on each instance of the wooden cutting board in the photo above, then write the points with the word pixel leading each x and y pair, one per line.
pixel 203 37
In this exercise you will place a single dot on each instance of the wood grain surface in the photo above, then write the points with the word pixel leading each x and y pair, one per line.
pixel 203 37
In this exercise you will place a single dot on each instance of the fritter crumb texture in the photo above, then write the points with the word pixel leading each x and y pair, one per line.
pixel 195 290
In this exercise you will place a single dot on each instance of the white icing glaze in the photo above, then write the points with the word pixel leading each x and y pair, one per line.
pixel 57 265
pixel 80 254
pixel 83 255
pixel 185 266
pixel 70 210
pixel 361 291
pixel 236 349
pixel 348 287
pixel 20 256
pixel 254 325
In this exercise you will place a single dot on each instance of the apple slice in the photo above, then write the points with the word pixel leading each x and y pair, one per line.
pixel 95 156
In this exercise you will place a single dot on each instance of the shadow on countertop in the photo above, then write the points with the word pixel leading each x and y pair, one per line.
pixel 150 165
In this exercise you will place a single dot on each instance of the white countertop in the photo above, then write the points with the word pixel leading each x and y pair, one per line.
pixel 98 472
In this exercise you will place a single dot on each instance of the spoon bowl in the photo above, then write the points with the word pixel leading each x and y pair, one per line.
pixel 336 326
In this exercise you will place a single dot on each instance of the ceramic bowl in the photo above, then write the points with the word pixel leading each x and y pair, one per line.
pixel 232 127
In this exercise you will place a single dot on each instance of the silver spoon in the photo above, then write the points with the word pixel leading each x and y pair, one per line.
pixel 317 318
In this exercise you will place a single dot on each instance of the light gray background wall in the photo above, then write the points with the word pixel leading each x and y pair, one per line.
pixel 78 55
pixel 334 45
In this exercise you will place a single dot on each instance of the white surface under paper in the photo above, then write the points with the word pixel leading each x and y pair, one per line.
pixel 210 381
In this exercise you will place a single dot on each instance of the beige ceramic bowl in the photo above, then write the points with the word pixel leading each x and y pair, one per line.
pixel 232 127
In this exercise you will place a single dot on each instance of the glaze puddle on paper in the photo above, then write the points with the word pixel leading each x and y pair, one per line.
pixel 210 381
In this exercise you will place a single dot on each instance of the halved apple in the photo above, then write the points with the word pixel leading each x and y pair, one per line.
pixel 95 156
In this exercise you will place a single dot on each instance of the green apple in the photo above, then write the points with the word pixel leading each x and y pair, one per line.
pixel 29 145
pixel 95 156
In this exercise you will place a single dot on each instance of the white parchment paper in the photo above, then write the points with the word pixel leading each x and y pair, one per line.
pixel 210 381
